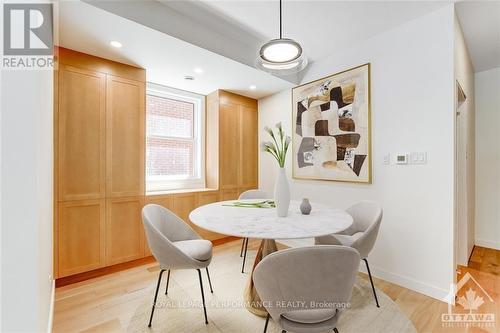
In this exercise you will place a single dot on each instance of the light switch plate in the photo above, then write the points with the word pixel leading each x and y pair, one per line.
pixel 414 157
pixel 422 158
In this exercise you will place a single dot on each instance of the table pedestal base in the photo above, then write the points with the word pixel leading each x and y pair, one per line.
pixel 252 299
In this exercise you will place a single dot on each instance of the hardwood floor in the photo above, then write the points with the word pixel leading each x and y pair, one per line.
pixel 106 303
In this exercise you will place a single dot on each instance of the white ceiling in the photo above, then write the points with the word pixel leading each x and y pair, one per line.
pixel 480 21
pixel 322 27
pixel 236 29
pixel 170 38
pixel 167 60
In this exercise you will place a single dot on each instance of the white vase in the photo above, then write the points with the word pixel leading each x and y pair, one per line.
pixel 282 193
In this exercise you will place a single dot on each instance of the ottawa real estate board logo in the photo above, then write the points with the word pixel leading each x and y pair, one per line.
pixel 28 38
pixel 474 307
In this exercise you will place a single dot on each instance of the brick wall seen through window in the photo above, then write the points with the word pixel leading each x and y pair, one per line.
pixel 170 142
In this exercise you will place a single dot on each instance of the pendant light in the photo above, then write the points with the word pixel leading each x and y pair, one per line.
pixel 282 55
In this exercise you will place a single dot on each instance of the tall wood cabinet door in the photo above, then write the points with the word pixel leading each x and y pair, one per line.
pixel 81 236
pixel 124 231
pixel 125 140
pixel 80 134
pixel 248 147
pixel 229 145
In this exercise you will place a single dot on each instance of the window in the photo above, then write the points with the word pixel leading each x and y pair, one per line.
pixel 174 139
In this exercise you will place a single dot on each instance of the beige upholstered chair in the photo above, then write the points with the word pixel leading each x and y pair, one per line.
pixel 303 294
pixel 175 246
pixel 250 194
pixel 361 235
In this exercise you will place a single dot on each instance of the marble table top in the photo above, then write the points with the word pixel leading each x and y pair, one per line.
pixel 264 222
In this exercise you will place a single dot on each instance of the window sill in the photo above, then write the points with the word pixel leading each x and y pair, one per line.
pixel 188 190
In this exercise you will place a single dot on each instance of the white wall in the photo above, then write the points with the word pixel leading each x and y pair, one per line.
pixel 488 158
pixel 412 110
pixel 1 212
pixel 26 200
pixel 465 153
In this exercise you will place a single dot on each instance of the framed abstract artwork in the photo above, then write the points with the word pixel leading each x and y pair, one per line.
pixel 331 137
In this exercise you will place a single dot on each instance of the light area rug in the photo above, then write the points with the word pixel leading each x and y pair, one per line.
pixel 181 311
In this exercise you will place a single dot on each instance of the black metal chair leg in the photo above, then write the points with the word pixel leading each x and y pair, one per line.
pixel 336 330
pixel 203 296
pixel 168 280
pixel 244 257
pixel 242 246
pixel 267 322
pixel 156 296
pixel 371 280
pixel 209 281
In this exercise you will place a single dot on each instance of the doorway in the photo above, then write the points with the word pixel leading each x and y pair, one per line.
pixel 464 194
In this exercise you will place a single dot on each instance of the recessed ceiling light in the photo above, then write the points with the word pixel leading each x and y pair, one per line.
pixel 198 70
pixel 189 77
pixel 253 87
pixel 115 43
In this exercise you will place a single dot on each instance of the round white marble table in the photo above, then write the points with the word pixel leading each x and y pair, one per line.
pixel 264 223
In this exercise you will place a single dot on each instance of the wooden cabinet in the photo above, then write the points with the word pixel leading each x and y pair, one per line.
pixel 237 120
pixel 81 236
pixel 205 198
pixel 124 231
pixel 166 201
pixel 99 159
pixel 81 139
pixel 249 152
pixel 125 140
pixel 99 154
pixel 183 205
pixel 229 145
pixel 231 194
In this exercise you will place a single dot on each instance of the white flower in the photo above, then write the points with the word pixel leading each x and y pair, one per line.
pixel 263 146
pixel 288 139
pixel 278 125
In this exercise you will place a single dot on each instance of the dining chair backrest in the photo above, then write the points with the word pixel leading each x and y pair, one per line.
pixel 162 228
pixel 367 217
pixel 254 194
pixel 323 274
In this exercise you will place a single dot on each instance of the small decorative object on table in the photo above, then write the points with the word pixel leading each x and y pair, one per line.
pixel 305 206
pixel 278 148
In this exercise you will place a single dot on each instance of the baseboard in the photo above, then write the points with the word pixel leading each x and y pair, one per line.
pixel 400 280
pixel 489 244
pixel 51 307
pixel 409 283
pixel 63 281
